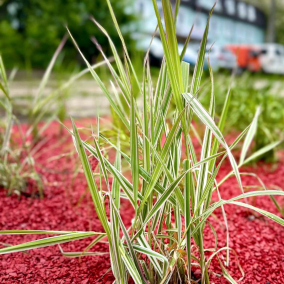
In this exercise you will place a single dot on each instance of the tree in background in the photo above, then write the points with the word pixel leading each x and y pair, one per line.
pixel 274 9
pixel 279 22
pixel 30 30
pixel 271 36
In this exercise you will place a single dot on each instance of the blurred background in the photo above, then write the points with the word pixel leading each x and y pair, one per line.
pixel 246 35
pixel 30 30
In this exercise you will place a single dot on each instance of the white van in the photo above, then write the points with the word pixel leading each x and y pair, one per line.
pixel 190 55
pixel 271 57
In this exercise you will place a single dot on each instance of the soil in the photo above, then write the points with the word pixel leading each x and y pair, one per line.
pixel 257 241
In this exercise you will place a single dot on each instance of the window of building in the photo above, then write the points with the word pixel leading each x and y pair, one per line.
pixel 250 34
pixel 198 22
pixel 208 4
pixel 204 3
pixel 214 25
pixel 218 6
pixel 251 13
pixel 160 8
pixel 230 7
pixel 228 30
pixel 180 17
pixel 241 33
pixel 242 10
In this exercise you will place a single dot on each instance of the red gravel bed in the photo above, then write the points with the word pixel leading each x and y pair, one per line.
pixel 257 241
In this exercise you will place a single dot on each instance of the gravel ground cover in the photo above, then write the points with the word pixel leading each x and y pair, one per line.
pixel 257 241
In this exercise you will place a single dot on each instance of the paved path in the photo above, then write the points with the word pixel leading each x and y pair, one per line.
pixel 83 98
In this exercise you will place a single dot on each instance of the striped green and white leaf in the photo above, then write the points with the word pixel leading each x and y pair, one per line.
pixel 249 137
pixel 95 193
pixel 48 242
pixel 102 86
pixel 205 117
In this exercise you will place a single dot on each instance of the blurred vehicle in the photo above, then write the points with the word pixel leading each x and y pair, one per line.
pixel 247 57
pixel 156 50
pixel 190 55
pixel 219 57
pixel 194 49
pixel 271 57
pixel 222 57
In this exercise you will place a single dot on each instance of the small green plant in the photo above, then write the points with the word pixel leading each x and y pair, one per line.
pixel 248 97
pixel 171 189
pixel 16 164
pixel 247 94
pixel 17 168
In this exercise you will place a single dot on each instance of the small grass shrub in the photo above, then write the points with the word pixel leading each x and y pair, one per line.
pixel 17 169
pixel 170 188
pixel 247 94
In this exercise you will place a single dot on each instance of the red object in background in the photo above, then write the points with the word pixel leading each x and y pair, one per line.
pixel 247 57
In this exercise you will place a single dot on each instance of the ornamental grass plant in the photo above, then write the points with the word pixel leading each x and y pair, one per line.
pixel 172 182
pixel 17 166
pixel 17 169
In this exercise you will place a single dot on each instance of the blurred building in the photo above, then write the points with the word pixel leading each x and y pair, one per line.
pixel 233 21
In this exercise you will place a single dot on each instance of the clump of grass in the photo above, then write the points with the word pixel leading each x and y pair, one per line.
pixel 271 118
pixel 247 94
pixel 16 164
pixel 171 188
pixel 17 169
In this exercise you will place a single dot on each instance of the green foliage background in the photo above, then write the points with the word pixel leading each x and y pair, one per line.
pixel 30 30
pixel 248 93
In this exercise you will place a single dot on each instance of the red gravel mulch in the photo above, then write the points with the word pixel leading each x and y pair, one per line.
pixel 257 241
